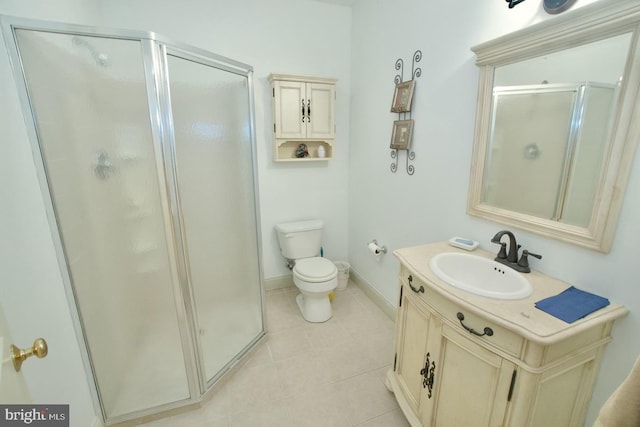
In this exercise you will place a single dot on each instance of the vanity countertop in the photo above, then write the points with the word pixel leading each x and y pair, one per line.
pixel 520 316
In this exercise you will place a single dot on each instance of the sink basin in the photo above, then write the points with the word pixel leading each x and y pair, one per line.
pixel 480 276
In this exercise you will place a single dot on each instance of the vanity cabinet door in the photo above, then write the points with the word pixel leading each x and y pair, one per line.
pixel 471 384
pixel 411 341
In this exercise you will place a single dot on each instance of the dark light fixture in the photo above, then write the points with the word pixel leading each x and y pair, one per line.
pixel 513 3
pixel 557 6
pixel 550 6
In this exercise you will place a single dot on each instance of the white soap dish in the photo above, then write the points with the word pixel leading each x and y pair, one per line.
pixel 462 243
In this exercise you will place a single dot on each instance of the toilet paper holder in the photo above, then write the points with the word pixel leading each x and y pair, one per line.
pixel 375 248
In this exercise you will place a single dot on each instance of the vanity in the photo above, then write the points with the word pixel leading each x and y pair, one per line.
pixel 467 360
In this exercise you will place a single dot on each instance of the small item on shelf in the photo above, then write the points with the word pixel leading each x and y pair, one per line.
pixel 302 151
pixel 321 152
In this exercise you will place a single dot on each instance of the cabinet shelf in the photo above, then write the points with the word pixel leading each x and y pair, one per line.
pixel 285 151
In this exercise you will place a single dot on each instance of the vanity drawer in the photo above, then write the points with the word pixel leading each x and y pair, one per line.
pixel 451 312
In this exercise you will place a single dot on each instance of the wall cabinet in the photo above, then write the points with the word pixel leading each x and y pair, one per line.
pixel 445 375
pixel 303 113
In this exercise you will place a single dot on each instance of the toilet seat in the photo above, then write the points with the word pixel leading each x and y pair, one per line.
pixel 315 270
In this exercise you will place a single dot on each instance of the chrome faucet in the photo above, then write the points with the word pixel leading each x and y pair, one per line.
pixel 511 258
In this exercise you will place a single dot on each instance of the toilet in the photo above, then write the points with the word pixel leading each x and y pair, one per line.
pixel 313 275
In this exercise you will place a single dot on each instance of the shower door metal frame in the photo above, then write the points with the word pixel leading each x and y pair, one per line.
pixel 581 93
pixel 153 47
pixel 204 58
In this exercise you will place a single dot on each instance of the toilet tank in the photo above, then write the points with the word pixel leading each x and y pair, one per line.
pixel 300 239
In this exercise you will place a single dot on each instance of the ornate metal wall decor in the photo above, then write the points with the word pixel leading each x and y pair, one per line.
pixel 403 127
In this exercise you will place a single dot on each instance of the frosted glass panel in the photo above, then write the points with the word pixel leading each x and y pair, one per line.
pixel 215 182
pixel 590 150
pixel 90 103
pixel 526 158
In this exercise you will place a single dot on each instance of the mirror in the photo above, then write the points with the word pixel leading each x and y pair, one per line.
pixel 557 124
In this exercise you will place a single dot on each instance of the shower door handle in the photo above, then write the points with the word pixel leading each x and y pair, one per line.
pixel 103 167
pixel 39 349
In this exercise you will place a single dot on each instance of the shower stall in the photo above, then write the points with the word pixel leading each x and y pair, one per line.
pixel 145 153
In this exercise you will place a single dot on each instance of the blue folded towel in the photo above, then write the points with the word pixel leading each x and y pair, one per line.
pixel 572 304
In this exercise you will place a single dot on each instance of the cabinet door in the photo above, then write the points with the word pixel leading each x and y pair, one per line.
pixel 321 105
pixel 411 340
pixel 288 99
pixel 471 386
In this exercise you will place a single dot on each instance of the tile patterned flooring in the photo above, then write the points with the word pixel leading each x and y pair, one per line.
pixel 309 374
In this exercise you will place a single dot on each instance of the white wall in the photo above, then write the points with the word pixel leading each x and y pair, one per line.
pixel 275 36
pixel 13 387
pixel 401 210
pixel 295 36
pixel 32 295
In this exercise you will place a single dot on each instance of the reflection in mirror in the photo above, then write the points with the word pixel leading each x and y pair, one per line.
pixel 554 133
pixel 552 123
pixel 554 136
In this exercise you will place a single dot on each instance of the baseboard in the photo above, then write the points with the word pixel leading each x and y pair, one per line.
pixel 359 281
pixel 278 283
pixel 373 294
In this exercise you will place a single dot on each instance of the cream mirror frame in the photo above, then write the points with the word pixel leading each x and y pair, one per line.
pixel 598 21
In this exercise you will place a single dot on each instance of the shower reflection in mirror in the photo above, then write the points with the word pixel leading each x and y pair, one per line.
pixel 546 147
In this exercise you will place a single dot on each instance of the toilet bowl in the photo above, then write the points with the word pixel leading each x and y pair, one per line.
pixel 315 278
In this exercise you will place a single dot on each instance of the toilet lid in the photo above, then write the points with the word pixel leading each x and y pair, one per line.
pixel 315 269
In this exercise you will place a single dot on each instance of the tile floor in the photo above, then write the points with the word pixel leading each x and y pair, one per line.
pixel 309 374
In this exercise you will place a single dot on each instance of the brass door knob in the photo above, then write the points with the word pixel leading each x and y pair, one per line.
pixel 39 349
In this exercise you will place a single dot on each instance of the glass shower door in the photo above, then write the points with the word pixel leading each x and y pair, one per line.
pixel 90 104
pixel 214 176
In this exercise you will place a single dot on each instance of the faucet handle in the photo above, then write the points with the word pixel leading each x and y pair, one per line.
pixel 524 259
pixel 532 254
pixel 503 251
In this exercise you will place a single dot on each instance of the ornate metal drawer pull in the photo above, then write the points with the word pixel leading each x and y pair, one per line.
pixel 428 374
pixel 419 290
pixel 308 111
pixel 303 110
pixel 487 331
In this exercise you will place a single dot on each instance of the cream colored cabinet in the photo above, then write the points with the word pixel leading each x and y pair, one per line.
pixel 438 369
pixel 412 333
pixel 459 365
pixel 303 113
pixel 470 384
